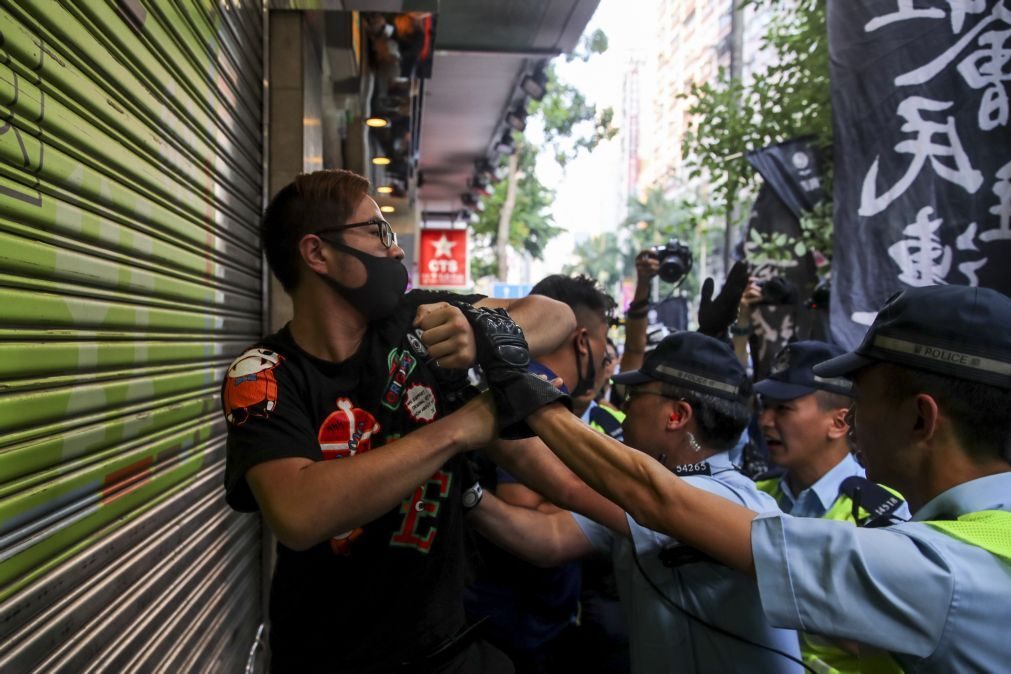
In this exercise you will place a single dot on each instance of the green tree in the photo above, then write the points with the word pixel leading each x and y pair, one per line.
pixel 791 98
pixel 517 213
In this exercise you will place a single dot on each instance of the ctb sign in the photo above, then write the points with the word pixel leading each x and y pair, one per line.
pixel 442 261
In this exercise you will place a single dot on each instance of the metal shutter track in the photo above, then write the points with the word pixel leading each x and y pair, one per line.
pixel 130 276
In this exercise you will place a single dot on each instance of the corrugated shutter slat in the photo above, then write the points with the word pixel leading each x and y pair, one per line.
pixel 130 276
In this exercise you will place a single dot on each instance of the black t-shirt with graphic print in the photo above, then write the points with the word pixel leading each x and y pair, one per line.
pixel 391 590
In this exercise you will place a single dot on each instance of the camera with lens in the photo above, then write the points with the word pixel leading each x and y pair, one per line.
pixel 675 260
pixel 821 296
pixel 777 290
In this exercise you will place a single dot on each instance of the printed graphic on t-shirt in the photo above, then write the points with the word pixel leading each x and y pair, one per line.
pixel 402 364
pixel 421 403
pixel 250 386
pixel 346 431
pixel 417 346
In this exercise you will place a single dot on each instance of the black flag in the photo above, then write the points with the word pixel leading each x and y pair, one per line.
pixel 782 320
pixel 791 170
pixel 920 96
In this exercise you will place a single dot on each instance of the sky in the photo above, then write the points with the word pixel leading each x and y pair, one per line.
pixel 587 190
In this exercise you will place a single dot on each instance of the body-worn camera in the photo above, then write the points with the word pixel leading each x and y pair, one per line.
pixel 675 260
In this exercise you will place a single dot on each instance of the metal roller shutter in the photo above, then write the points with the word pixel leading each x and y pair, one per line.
pixel 130 275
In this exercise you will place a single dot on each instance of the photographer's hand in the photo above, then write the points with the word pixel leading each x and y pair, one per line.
pixel 647 265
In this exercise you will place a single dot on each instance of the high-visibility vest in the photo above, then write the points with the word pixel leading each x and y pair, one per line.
pixel 819 653
pixel 986 529
pixel 607 420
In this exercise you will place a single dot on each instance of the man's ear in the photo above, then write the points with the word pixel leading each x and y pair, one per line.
pixel 581 339
pixel 679 416
pixel 928 416
pixel 837 426
pixel 313 253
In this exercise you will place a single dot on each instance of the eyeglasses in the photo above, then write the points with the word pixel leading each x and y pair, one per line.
pixel 635 393
pixel 386 234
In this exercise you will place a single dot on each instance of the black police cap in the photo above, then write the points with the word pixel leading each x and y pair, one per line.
pixel 958 331
pixel 792 375
pixel 693 361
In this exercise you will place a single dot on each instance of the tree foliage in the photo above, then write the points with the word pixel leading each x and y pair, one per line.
pixel 790 99
pixel 531 226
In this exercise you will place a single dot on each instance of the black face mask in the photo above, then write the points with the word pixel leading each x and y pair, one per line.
pixel 585 384
pixel 385 283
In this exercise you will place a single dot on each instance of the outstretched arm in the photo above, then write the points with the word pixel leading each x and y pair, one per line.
pixel 450 339
pixel 643 487
pixel 636 319
pixel 546 322
pixel 530 461
pixel 543 539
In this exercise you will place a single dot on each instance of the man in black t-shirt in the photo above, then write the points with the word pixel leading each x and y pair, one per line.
pixel 344 431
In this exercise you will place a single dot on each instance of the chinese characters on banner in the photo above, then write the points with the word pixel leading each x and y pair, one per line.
pixel 442 259
pixel 920 95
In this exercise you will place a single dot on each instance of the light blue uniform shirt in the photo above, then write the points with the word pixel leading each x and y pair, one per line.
pixel 816 500
pixel 937 604
pixel 663 639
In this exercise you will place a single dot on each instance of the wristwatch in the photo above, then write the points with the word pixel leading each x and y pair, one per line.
pixel 472 496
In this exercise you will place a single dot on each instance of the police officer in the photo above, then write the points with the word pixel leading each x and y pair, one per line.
pixel 805 423
pixel 686 407
pixel 932 383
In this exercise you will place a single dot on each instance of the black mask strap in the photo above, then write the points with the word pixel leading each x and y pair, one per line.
pixel 585 384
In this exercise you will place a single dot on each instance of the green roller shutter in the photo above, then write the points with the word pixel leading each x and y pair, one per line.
pixel 130 275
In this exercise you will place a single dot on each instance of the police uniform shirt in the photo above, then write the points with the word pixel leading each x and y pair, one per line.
pixel 819 498
pixel 816 500
pixel 937 604
pixel 663 639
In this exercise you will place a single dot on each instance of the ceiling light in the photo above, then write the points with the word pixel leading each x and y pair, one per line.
pixel 536 85
pixel 381 161
pixel 517 118
pixel 505 145
pixel 471 202
pixel 377 122
pixel 385 189
pixel 480 184
pixel 387 209
pixel 485 168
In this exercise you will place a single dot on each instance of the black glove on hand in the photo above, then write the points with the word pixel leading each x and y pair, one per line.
pixel 717 315
pixel 455 387
pixel 503 355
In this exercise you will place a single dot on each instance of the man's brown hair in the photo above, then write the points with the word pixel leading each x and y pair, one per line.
pixel 308 204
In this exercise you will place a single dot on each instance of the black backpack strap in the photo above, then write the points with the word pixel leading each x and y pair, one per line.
pixel 872 497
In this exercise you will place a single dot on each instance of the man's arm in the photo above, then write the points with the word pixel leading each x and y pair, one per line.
pixel 542 539
pixel 531 462
pixel 450 340
pixel 654 496
pixel 546 322
pixel 647 266
pixel 306 502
